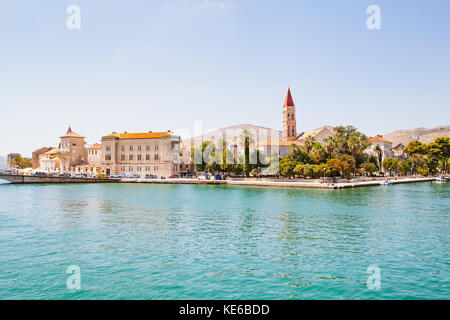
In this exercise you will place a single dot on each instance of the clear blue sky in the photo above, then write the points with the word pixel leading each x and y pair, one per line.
pixel 144 65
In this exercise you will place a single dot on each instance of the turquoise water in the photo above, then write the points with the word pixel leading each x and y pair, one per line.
pixel 139 241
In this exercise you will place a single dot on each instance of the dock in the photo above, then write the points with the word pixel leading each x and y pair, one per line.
pixel 313 184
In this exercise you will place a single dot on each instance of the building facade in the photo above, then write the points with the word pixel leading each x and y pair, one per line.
pixel 156 153
pixel 72 150
pixel 385 146
pixel 9 160
pixel 50 161
pixel 289 118
pixel 35 163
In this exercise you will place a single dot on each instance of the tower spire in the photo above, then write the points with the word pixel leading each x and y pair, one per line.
pixel 289 119
pixel 289 101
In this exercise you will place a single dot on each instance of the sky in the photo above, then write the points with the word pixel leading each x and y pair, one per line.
pixel 142 65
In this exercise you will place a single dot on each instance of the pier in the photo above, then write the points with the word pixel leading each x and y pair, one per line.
pixel 315 184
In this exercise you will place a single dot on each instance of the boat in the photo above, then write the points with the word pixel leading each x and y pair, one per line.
pixel 441 179
pixel 387 182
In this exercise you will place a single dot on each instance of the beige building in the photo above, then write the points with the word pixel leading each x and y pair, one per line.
pixel 51 161
pixel 385 146
pixel 155 153
pixel 73 151
pixel 186 165
pixel 10 159
pixel 398 151
pixel 36 155
pixel 320 134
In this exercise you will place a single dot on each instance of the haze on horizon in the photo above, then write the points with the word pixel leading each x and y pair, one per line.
pixel 163 64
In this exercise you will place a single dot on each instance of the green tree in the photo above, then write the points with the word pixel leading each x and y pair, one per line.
pixel 22 163
pixel 440 150
pixel 308 171
pixel 246 138
pixel 298 170
pixel 286 167
pixel 379 154
pixel 369 167
pixel 390 164
pixel 405 166
pixel 203 155
pixel 330 146
pixel 298 154
pixel 318 153
pixel 344 164
pixel 415 147
pixel 309 143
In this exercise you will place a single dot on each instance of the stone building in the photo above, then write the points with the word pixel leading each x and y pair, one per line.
pixel 35 163
pixel 155 153
pixel 289 136
pixel 72 150
pixel 10 159
pixel 398 151
pixel 289 119
pixel 385 146
pixel 50 161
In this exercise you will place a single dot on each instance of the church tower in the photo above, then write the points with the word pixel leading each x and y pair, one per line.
pixel 289 121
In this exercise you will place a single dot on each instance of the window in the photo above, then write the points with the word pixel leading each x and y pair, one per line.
pixel 147 168
pixel 147 157
pixel 156 157
pixel 74 144
pixel 131 148
pixel 139 148
pixel 122 148
pixel 139 168
pixel 156 147
pixel 130 157
pixel 108 157
pixel 122 157
pixel 155 168
pixel 139 157
pixel 130 168
pixel 108 148
pixel 122 169
pixel 147 148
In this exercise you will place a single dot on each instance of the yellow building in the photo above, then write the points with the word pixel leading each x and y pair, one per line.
pixel 156 153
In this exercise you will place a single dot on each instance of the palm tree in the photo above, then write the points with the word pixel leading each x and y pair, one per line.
pixel 330 145
pixel 309 143
pixel 222 146
pixel 246 138
pixel 379 154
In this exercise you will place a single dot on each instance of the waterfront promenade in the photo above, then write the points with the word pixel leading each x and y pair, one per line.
pixel 314 184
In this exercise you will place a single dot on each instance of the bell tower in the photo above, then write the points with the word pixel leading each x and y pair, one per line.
pixel 289 120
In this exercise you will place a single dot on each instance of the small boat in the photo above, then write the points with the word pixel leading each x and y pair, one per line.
pixel 440 179
pixel 386 182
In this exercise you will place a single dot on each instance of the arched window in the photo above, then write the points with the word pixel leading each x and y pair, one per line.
pixel 289 131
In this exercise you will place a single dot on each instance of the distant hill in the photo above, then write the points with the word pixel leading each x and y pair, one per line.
pixel 2 162
pixel 231 134
pixel 422 134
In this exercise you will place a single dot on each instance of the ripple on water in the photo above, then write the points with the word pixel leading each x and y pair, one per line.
pixel 202 242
